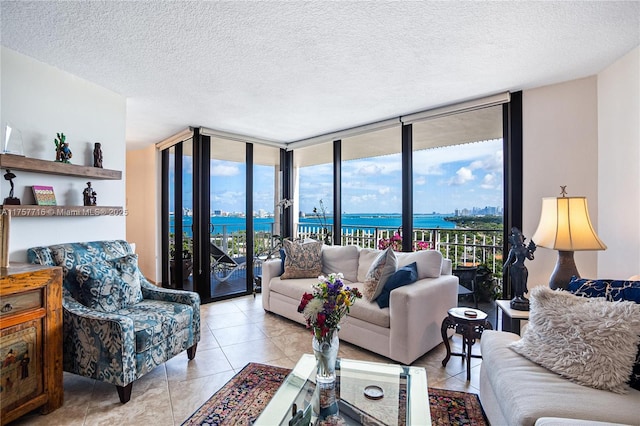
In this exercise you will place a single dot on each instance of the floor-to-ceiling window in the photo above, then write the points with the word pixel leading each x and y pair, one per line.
pixel 458 185
pixel 371 186
pixel 313 191
pixel 220 213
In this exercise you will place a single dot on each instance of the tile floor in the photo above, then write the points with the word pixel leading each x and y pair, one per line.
pixel 234 332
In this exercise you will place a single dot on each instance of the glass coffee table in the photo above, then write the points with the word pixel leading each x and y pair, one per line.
pixel 365 393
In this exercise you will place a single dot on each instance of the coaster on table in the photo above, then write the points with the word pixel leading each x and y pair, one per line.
pixel 373 392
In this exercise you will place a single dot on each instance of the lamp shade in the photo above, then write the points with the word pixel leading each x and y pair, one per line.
pixel 565 225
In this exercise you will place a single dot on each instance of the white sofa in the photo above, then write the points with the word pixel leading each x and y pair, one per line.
pixel 518 392
pixel 404 331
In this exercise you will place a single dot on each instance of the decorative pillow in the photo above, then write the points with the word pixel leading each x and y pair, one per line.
pixel 613 290
pixel 429 262
pixel 302 260
pixel 341 259
pixel 587 340
pixel 381 269
pixel 365 259
pixel 109 285
pixel 403 276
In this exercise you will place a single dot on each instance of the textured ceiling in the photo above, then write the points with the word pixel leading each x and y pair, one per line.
pixel 286 71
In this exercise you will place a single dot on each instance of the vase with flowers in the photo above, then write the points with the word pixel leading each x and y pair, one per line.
pixel 323 310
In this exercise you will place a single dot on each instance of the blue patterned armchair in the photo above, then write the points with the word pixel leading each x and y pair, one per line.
pixel 118 326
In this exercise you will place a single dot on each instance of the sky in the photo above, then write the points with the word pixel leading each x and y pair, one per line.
pixel 445 179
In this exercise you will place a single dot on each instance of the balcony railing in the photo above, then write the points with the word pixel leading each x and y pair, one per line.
pixel 465 247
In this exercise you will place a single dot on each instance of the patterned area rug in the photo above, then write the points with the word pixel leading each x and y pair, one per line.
pixel 241 400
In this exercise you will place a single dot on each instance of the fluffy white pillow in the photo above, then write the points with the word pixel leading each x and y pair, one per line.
pixel 381 269
pixel 590 341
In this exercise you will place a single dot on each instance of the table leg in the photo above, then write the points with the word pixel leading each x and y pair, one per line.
pixel 446 323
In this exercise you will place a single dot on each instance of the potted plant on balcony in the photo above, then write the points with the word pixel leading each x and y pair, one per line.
pixel 184 256
pixel 487 285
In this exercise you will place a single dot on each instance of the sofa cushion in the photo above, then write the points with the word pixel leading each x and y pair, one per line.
pixel 403 276
pixel 379 272
pixel 587 340
pixel 429 262
pixel 154 321
pixel 292 288
pixel 369 312
pixel 341 259
pixel 302 260
pixel 108 285
pixel 527 391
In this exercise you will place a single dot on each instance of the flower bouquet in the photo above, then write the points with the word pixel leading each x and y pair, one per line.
pixel 323 310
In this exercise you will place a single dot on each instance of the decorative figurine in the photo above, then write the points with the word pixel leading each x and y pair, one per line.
pixel 63 152
pixel 517 269
pixel 89 195
pixel 97 155
pixel 11 200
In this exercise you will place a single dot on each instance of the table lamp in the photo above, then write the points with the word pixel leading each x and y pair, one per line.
pixel 565 226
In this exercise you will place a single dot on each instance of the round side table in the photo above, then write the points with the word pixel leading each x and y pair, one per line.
pixel 468 322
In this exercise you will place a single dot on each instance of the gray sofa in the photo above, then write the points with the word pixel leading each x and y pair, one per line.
pixel 515 391
pixel 404 331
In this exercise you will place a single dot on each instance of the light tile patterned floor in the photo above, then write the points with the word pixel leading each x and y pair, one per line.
pixel 234 332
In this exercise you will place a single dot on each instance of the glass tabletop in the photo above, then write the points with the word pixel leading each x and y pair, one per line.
pixel 404 394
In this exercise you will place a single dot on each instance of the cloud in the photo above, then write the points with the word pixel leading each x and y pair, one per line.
pixel 363 198
pixel 224 170
pixel 463 175
pixel 384 190
pixel 489 181
pixel 420 180
pixel 370 170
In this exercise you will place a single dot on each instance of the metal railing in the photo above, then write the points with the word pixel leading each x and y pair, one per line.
pixel 465 247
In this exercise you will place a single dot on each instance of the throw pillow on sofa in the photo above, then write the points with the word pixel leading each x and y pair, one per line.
pixel 612 290
pixel 302 260
pixel 381 269
pixel 109 285
pixel 590 341
pixel 342 259
pixel 429 262
pixel 403 276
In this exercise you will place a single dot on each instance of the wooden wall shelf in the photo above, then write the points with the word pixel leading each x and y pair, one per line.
pixel 17 162
pixel 50 211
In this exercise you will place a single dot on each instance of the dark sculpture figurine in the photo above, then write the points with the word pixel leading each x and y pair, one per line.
pixel 11 200
pixel 97 155
pixel 517 269
pixel 89 195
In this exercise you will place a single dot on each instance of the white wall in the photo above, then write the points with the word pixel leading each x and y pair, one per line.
pixel 40 101
pixel 560 147
pixel 586 134
pixel 619 167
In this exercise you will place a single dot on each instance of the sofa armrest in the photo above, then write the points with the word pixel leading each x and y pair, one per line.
pixel 191 298
pixel 416 312
pixel 270 269
pixel 98 344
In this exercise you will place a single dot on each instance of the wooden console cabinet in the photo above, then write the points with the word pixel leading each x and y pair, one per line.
pixel 30 340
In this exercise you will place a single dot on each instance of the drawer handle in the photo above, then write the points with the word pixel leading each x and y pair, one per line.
pixel 7 308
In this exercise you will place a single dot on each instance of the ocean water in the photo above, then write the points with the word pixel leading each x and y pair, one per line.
pixel 357 221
